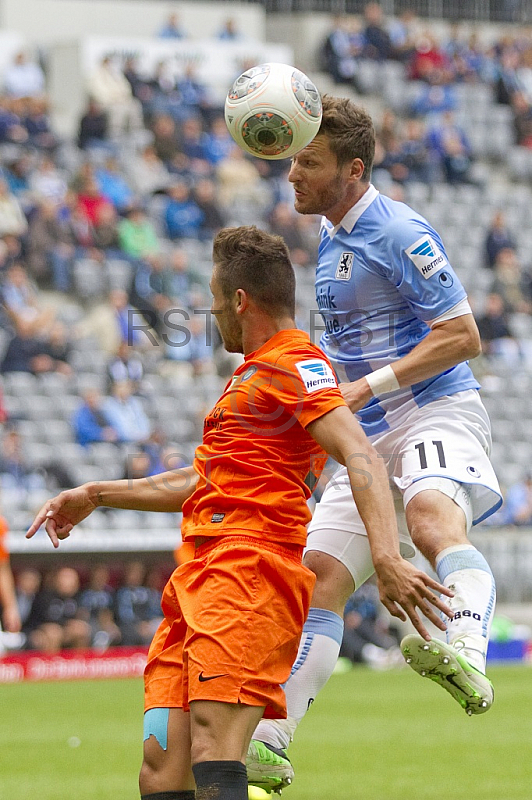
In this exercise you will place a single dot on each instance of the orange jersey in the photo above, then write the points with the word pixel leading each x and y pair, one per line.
pixel 257 464
pixel 4 528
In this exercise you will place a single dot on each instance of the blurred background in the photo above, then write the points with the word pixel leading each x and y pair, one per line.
pixel 116 170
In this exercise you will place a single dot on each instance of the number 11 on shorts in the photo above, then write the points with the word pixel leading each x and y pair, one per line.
pixel 422 453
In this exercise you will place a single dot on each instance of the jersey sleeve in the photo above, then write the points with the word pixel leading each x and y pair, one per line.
pixel 413 257
pixel 305 385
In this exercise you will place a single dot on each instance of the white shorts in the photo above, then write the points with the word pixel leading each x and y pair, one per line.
pixel 444 445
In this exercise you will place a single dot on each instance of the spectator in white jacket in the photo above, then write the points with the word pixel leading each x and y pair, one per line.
pixel 24 78
pixel 112 91
pixel 12 218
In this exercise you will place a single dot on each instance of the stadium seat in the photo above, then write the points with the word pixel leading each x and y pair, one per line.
pixel 85 473
pixel 519 161
pixel 90 280
pixel 120 274
pixel 99 520
pixel 14 405
pixel 521 326
pixel 30 431
pixel 90 380
pixel 71 454
pixel 54 384
pixel 101 454
pixel 40 452
pixel 57 432
pixel 417 194
pixel 502 430
pixel 12 500
pixel 369 76
pixel 182 430
pixel 40 407
pixel 20 383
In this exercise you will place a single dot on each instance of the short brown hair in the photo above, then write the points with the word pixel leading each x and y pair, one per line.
pixel 259 263
pixel 349 129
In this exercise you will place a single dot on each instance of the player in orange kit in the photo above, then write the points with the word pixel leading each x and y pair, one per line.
pixel 10 617
pixel 233 614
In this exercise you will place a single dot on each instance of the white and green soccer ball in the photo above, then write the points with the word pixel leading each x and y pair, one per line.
pixel 273 111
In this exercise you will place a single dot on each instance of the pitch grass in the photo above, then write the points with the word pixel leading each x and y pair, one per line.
pixel 370 736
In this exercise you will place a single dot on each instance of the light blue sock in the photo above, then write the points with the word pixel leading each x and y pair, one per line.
pixel 465 570
pixel 315 662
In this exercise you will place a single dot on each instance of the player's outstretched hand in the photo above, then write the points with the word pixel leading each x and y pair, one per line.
pixel 61 513
pixel 404 589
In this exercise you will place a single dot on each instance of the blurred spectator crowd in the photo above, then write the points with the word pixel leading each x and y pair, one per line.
pixel 109 357
pixel 98 607
pixel 430 141
pixel 454 141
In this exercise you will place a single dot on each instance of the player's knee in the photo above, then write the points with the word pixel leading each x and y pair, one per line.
pixel 435 522
pixel 147 777
pixel 204 747
pixel 153 780
pixel 205 742
pixel 334 583
pixel 154 766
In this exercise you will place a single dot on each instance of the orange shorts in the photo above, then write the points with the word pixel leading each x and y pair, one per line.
pixel 234 615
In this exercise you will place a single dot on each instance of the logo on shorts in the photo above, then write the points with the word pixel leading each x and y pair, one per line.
pixel 202 678
pixel 217 517
pixel 316 375
pixel 473 471
pixel 426 256
pixel 345 266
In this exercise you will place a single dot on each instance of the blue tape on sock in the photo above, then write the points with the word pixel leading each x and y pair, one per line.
pixel 304 650
pixel 461 559
pixel 156 724
pixel 487 615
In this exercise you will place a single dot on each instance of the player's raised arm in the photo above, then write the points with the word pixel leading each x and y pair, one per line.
pixel 448 343
pixel 403 588
pixel 164 492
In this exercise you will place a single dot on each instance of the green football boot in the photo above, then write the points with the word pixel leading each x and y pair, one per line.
pixel 268 767
pixel 443 664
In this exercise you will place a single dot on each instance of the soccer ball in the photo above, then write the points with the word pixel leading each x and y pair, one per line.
pixel 254 793
pixel 273 111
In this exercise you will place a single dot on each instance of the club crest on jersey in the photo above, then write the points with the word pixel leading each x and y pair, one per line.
pixel 345 265
pixel 426 256
pixel 248 373
pixel 316 375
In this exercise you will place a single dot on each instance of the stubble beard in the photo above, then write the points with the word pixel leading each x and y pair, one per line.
pixel 321 204
pixel 231 341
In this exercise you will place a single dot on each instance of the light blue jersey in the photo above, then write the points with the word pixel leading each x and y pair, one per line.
pixel 382 276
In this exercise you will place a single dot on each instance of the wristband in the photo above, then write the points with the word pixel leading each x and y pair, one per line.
pixel 382 381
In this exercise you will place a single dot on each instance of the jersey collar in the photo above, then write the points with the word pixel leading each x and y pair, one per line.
pixel 355 212
pixel 286 335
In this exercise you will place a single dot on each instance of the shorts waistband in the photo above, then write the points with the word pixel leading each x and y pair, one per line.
pixel 203 544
